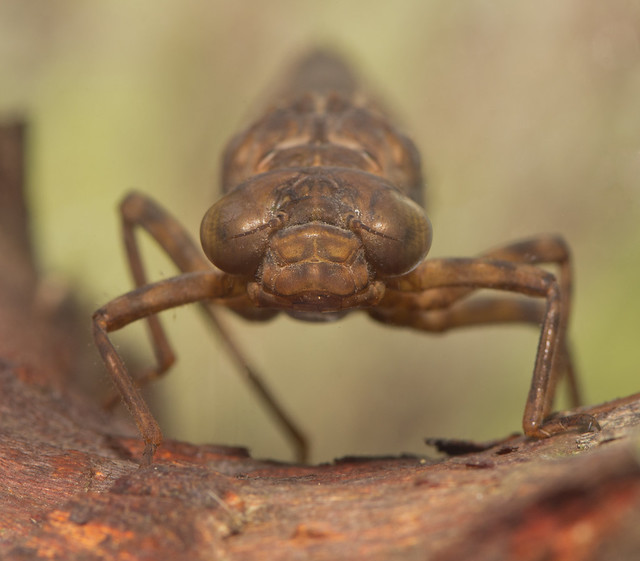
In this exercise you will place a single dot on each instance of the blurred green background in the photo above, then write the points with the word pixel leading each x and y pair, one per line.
pixel 527 115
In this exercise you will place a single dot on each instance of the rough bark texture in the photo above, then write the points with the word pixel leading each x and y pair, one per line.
pixel 70 486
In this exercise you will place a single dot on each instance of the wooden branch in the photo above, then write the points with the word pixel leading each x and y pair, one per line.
pixel 71 488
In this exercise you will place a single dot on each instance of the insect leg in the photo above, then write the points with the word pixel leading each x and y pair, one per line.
pixel 553 250
pixel 415 300
pixel 543 249
pixel 139 210
pixel 137 304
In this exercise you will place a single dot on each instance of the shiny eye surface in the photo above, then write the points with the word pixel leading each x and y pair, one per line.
pixel 235 230
pixel 394 229
pixel 395 232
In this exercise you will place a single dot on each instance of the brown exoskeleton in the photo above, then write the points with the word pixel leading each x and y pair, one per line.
pixel 321 216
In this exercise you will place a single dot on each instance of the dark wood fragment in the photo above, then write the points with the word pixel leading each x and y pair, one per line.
pixel 14 217
pixel 457 447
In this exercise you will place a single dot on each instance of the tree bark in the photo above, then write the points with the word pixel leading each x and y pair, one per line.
pixel 71 487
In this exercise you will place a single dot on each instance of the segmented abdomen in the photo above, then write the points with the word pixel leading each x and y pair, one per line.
pixel 321 118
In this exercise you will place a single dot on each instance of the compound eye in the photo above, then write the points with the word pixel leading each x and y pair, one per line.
pixel 235 231
pixel 395 232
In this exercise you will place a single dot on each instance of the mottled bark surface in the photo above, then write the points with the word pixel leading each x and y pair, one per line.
pixel 71 488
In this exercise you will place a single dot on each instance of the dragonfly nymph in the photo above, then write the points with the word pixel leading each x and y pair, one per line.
pixel 321 215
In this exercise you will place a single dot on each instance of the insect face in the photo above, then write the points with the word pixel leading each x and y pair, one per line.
pixel 317 239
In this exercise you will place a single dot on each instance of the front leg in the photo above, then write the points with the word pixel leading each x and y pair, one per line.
pixel 404 303
pixel 141 212
pixel 454 310
pixel 142 303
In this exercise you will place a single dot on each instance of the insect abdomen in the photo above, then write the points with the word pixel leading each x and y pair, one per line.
pixel 322 119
